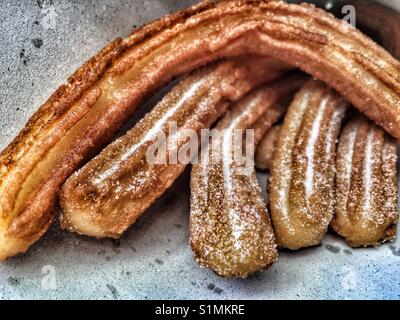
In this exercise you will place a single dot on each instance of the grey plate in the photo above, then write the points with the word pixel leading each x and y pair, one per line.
pixel 153 259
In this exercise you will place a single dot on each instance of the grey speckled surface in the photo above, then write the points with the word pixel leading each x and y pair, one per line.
pixel 152 260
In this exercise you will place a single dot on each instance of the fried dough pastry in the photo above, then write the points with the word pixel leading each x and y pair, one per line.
pixel 82 115
pixel 230 230
pixel 110 192
pixel 265 150
pixel 366 185
pixel 301 189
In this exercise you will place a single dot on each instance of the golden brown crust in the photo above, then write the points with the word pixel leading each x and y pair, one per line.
pixel 302 175
pixel 230 230
pixel 85 77
pixel 60 101
pixel 366 185
pixel 265 151
pixel 35 214
pixel 84 114
pixel 109 193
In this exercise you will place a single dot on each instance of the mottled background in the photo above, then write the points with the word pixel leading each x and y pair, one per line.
pixel 41 43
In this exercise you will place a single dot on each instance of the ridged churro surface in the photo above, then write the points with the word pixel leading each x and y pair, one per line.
pixel 366 185
pixel 110 192
pixel 82 115
pixel 230 230
pixel 301 188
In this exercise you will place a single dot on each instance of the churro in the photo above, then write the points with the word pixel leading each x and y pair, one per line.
pixel 85 113
pixel 366 185
pixel 230 230
pixel 301 188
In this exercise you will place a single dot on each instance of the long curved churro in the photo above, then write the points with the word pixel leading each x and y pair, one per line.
pixel 82 115
pixel 105 197
pixel 230 230
pixel 366 185
pixel 301 189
